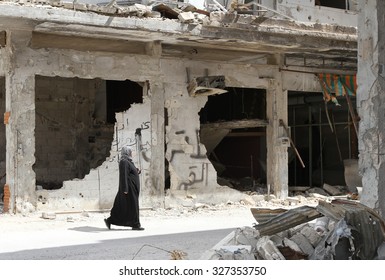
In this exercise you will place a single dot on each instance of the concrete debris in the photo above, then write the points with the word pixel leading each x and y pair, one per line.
pixel 186 13
pixel 70 219
pixel 343 230
pixel 48 215
pixel 334 190
pixel 267 250
pixel 233 253
pixel 187 17
pixel 178 255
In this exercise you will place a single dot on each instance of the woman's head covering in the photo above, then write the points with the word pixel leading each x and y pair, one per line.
pixel 126 153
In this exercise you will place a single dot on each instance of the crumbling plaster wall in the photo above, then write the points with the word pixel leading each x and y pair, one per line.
pixel 307 11
pixel 370 103
pixel 70 137
pixel 98 188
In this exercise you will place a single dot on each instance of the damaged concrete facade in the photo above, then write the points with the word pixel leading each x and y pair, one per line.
pixel 62 69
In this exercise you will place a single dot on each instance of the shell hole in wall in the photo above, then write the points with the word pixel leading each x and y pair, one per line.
pixel 236 147
pixel 75 121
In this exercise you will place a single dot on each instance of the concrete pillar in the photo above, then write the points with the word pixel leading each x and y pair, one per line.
pixel 20 139
pixel 371 103
pixel 277 156
pixel 157 166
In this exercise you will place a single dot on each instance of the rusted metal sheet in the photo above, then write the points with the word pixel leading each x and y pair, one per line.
pixel 287 220
pixel 262 215
pixel 367 227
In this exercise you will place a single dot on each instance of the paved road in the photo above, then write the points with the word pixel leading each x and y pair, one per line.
pixel 138 248
pixel 86 238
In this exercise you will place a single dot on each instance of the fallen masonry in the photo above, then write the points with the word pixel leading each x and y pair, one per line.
pixel 336 230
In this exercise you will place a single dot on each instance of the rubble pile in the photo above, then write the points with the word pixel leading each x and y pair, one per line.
pixel 173 10
pixel 336 230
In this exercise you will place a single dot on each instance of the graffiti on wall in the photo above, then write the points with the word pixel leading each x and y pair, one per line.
pixel 136 142
pixel 194 176
pixel 197 174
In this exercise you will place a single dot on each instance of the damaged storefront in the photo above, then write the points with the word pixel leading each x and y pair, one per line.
pixel 206 102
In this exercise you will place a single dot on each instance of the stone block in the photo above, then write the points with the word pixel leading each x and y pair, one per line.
pixel 267 249
pixel 186 17
pixel 312 235
pixel 303 243
pixel 48 215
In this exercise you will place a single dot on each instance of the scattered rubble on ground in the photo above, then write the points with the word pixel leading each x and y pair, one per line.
pixel 336 230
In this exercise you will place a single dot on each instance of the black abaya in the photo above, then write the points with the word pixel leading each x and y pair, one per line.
pixel 125 211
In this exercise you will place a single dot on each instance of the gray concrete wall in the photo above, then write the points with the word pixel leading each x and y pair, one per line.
pixel 69 139
pixel 2 134
pixel 370 103
pixel 190 170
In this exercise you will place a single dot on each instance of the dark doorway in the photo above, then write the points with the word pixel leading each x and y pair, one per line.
pixel 324 139
pixel 236 150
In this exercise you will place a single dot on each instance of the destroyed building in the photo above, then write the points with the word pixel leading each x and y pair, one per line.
pixel 204 95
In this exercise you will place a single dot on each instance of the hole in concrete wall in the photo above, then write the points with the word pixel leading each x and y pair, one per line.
pixel 236 149
pixel 321 150
pixel 2 140
pixel 339 4
pixel 121 94
pixel 75 125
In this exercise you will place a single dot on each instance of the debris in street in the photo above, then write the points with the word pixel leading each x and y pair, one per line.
pixel 343 230
pixel 48 215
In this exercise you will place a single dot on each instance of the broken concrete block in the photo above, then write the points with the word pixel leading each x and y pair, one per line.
pixel 318 191
pixel 234 253
pixel 303 243
pixel 333 190
pixel 247 201
pixel 278 240
pixel 267 249
pixel 247 236
pixel 186 17
pixel 80 7
pixel 312 235
pixel 291 244
pixel 322 225
pixel 48 215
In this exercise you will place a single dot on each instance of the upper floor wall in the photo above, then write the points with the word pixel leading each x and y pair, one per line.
pixel 339 12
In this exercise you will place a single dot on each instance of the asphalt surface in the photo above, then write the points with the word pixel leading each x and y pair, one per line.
pixel 85 237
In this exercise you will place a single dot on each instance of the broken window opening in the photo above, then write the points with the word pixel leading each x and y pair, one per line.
pixel 233 132
pixel 338 4
pixel 325 138
pixel 73 133
pixel 120 96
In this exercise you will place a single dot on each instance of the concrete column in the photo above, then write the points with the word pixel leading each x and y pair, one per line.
pixel 157 166
pixel 371 103
pixel 20 139
pixel 277 157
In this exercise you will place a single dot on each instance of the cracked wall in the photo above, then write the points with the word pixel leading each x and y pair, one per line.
pixel 370 104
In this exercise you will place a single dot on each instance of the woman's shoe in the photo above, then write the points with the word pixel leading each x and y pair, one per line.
pixel 137 228
pixel 108 224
